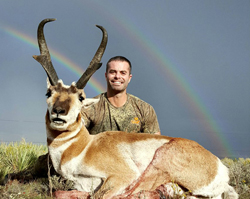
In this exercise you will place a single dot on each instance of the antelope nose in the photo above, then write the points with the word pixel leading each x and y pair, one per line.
pixel 58 110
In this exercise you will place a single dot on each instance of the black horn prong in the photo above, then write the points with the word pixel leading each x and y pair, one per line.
pixel 95 62
pixel 44 58
pixel 81 83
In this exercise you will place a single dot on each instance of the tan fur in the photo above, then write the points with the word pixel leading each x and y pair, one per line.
pixel 179 164
pixel 113 163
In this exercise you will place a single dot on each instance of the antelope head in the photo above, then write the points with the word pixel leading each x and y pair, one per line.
pixel 65 102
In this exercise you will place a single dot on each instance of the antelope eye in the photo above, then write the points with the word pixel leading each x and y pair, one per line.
pixel 81 98
pixel 48 94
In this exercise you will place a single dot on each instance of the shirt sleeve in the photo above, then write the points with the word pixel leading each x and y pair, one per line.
pixel 86 117
pixel 151 124
pixel 90 119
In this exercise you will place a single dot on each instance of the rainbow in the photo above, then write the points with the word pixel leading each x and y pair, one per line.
pixel 165 67
pixel 70 65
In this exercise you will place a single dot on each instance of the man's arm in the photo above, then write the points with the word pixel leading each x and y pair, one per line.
pixel 151 124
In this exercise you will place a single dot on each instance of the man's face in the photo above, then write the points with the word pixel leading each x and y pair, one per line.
pixel 118 76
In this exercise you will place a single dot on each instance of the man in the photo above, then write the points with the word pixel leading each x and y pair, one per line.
pixel 117 110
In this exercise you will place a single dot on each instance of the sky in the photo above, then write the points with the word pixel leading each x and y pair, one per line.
pixel 190 61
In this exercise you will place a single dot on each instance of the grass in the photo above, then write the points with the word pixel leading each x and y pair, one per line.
pixel 19 158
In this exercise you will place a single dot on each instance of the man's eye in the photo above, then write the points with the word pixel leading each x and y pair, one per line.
pixel 81 98
pixel 48 94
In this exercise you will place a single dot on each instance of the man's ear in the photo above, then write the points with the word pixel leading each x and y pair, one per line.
pixel 89 101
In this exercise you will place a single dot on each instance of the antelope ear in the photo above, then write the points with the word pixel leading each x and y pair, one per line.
pixel 89 101
pixel 48 83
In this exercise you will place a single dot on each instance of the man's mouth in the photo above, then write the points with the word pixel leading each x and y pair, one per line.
pixel 116 83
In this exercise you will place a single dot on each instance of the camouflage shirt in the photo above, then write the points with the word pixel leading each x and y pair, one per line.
pixel 134 116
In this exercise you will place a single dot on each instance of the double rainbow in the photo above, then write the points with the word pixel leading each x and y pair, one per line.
pixel 164 66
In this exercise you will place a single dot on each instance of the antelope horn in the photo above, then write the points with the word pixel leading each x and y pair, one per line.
pixel 95 63
pixel 44 58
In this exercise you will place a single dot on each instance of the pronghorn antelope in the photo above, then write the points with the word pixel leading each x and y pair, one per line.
pixel 118 164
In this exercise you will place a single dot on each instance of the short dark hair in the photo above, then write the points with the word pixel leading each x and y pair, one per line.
pixel 119 58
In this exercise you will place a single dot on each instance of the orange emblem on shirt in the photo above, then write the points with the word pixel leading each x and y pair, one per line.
pixel 135 120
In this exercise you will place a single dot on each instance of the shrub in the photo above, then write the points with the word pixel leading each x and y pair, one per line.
pixel 239 173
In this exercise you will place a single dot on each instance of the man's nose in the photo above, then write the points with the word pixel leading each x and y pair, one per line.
pixel 117 75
